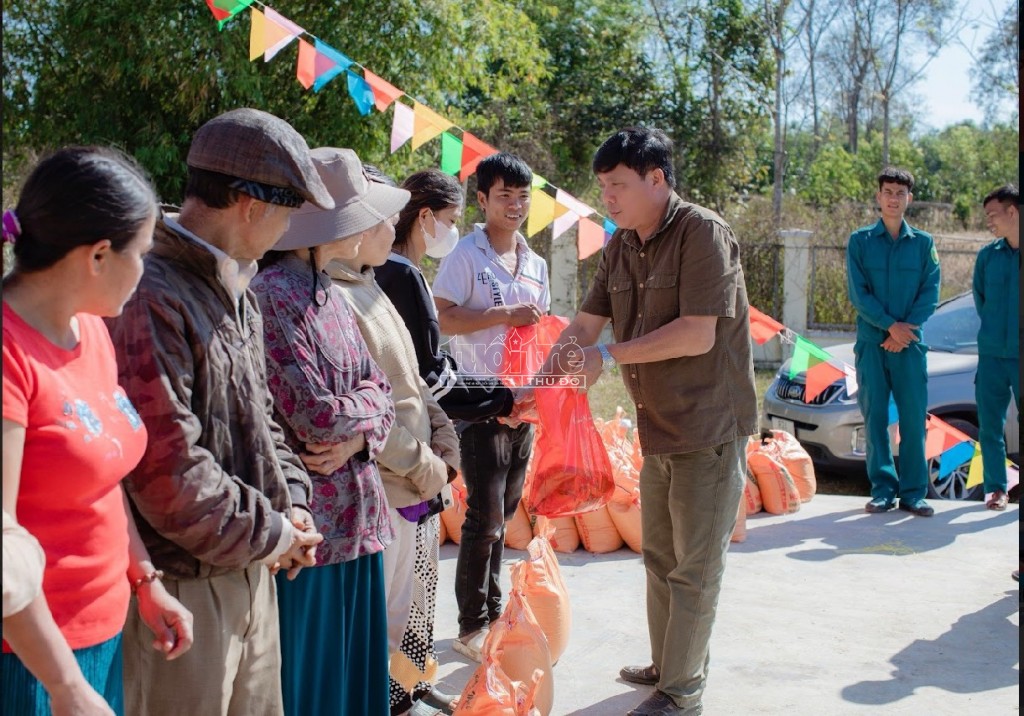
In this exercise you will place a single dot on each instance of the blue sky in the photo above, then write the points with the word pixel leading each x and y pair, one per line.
pixel 946 87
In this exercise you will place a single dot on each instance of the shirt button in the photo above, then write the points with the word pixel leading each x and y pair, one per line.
pixel 632 375
pixel 640 315
pixel 642 253
pixel 639 406
pixel 641 285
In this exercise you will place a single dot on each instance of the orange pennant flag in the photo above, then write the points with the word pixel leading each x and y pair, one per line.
pixel 952 436
pixel 934 440
pixel 384 93
pixel 819 377
pixel 427 125
pixel 473 151
pixel 763 327
pixel 590 238
pixel 257 35
pixel 305 70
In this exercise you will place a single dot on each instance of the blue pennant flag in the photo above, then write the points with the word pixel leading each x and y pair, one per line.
pixel 361 92
pixel 894 414
pixel 955 457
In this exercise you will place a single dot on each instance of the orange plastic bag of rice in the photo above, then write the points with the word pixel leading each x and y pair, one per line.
pixel 519 529
pixel 778 491
pixel 518 645
pixel 539 578
pixel 490 692
pixel 566 538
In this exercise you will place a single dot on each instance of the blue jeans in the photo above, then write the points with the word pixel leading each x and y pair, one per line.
pixel 494 458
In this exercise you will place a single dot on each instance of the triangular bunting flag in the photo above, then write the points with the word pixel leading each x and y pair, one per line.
pixel 473 150
pixel 590 240
pixel 609 228
pixel 384 93
pixel 305 68
pixel 952 436
pixel 577 210
pixel 361 93
pixel 954 457
pixel 402 126
pixel 538 182
pixel 224 10
pixel 257 34
pixel 451 153
pixel 819 377
pixel 427 125
pixel 280 31
pixel 329 64
pixel 976 473
pixel 543 210
pixel 851 380
pixel 894 413
pixel 934 439
pixel 805 354
pixel 763 327
pixel 1012 476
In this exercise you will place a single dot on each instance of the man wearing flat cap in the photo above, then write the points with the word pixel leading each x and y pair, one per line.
pixel 219 498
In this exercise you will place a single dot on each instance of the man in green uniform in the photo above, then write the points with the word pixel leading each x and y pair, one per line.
pixel 997 297
pixel 893 279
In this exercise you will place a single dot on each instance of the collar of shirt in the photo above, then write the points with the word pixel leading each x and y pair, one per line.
pixel 1003 244
pixel 484 243
pixel 632 238
pixel 905 229
pixel 234 274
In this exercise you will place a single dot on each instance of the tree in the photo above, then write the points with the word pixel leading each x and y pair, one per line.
pixel 146 75
pixel 996 71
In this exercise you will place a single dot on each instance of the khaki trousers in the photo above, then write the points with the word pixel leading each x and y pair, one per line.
pixel 689 505
pixel 234 665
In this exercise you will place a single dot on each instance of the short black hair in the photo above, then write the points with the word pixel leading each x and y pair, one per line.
pixel 431 189
pixel 510 168
pixel 896 175
pixel 1006 194
pixel 375 174
pixel 76 197
pixel 638 148
pixel 211 188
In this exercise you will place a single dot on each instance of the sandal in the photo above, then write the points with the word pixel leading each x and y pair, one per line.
pixel 998 501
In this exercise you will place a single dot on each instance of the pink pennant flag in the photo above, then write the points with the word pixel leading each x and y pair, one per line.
pixel 577 210
pixel 403 126
pixel 590 239
pixel 279 31
pixel 384 93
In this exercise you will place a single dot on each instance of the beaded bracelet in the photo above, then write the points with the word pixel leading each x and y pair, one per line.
pixel 147 579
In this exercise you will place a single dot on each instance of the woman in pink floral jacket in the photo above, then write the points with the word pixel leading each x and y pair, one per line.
pixel 335 406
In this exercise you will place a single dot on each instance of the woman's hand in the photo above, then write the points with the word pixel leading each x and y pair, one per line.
pixel 167 618
pixel 326 459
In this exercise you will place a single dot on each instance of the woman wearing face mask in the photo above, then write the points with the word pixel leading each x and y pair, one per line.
pixel 428 226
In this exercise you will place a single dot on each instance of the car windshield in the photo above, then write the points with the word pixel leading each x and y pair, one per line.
pixel 953 328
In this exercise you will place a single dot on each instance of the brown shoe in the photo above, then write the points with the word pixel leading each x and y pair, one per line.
pixel 998 501
pixel 661 704
pixel 648 675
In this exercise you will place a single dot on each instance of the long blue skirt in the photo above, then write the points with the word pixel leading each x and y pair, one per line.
pixel 22 694
pixel 334 639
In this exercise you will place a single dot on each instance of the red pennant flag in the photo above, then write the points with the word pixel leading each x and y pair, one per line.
pixel 934 440
pixel 819 377
pixel 763 327
pixel 951 435
pixel 384 93
pixel 305 70
pixel 473 151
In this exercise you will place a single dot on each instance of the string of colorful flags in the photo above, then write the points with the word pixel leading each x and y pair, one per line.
pixel 821 369
pixel 318 63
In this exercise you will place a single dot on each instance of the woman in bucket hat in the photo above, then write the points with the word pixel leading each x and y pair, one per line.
pixel 335 406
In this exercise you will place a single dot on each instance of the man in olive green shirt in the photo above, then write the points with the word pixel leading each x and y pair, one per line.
pixel 671 283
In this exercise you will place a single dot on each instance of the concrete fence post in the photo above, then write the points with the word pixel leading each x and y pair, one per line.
pixel 563 272
pixel 796 267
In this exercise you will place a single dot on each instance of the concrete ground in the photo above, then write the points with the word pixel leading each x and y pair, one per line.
pixel 827 611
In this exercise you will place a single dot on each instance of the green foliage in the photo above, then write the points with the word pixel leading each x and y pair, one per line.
pixel 834 175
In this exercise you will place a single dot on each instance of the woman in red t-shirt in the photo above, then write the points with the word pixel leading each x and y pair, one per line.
pixel 83 222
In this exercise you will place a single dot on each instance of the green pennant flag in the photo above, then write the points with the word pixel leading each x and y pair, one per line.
pixel 805 354
pixel 451 153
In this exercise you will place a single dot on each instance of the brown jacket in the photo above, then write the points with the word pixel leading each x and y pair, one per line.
pixel 210 492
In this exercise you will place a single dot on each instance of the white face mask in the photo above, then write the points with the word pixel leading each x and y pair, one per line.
pixel 441 244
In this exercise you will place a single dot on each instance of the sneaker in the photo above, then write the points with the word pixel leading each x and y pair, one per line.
pixel 470 645
pixel 918 507
pixel 879 504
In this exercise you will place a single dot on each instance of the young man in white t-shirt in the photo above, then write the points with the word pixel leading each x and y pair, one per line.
pixel 490 282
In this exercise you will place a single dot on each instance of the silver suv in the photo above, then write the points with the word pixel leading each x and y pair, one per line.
pixel 831 428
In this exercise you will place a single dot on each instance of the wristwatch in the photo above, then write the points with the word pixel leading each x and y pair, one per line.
pixel 607 361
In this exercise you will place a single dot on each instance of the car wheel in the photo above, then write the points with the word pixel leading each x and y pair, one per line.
pixel 954 485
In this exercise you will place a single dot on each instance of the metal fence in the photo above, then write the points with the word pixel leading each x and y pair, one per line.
pixel 762 269
pixel 828 304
